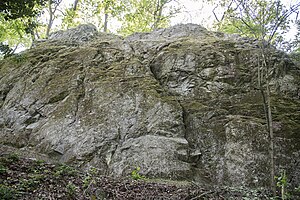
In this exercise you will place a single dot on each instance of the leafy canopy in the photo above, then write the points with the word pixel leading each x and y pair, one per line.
pixel 15 9
pixel 146 15
pixel 17 23
pixel 267 20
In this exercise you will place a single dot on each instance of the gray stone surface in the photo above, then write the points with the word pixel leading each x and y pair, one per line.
pixel 180 103
pixel 82 33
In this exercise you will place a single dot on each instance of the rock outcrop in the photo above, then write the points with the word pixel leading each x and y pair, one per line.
pixel 180 103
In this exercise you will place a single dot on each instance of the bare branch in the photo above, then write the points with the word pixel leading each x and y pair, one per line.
pixel 216 17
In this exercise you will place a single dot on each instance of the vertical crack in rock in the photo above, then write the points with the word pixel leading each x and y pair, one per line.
pixel 185 126
pixel 3 94
pixel 114 147
pixel 193 156
pixel 184 114
pixel 80 92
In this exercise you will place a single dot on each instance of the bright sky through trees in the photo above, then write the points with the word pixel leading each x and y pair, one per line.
pixel 193 11
pixel 199 12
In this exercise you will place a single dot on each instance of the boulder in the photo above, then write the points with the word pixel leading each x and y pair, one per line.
pixel 181 103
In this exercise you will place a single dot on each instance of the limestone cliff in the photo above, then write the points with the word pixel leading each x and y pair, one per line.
pixel 181 103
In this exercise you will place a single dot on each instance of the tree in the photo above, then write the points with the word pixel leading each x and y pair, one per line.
pixel 17 23
pixel 261 19
pixel 110 8
pixel 16 9
pixel 296 42
pixel 69 16
pixel 52 8
pixel 146 15
pixel 98 12
pixel 12 35
pixel 295 53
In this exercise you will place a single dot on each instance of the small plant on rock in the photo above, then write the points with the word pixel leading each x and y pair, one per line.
pixel 71 189
pixel 135 174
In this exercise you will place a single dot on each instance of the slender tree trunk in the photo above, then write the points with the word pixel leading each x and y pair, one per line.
pixel 50 18
pixel 36 35
pixel 75 5
pixel 271 135
pixel 158 13
pixel 268 112
pixel 105 22
pixel 105 19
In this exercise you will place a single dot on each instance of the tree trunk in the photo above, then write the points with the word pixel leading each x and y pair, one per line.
pixel 271 135
pixel 158 13
pixel 105 19
pixel 105 22
pixel 50 18
pixel 75 5
pixel 268 114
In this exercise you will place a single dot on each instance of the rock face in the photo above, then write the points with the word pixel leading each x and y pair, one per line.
pixel 181 103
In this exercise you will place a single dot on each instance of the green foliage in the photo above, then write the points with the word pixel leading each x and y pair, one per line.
pixel 15 9
pixel 17 23
pixel 3 169
pixel 68 20
pixel 20 26
pixel 7 193
pixel 282 179
pixel 71 189
pixel 135 174
pixel 93 11
pixel 14 33
pixel 145 16
pixel 261 19
pixel 282 182
pixel 33 181
pixel 89 179
pixel 296 42
pixel 13 157
pixel 5 50
pixel 29 184
pixel 40 162
pixel 65 170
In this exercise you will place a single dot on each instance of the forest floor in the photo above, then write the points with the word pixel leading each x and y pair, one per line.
pixel 22 178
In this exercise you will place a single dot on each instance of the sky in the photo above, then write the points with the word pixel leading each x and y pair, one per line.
pixel 195 12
